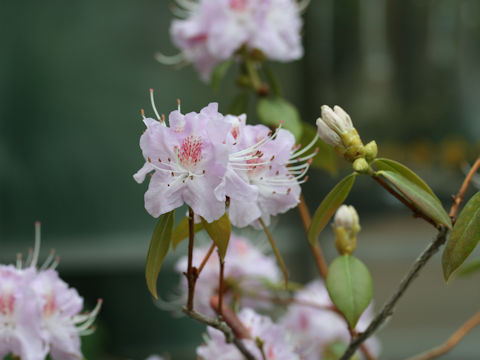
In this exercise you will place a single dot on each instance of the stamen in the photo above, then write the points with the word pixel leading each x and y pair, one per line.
pixel 36 248
pixel 91 317
pixel 178 104
pixel 55 263
pixel 306 148
pixel 187 5
pixel 152 100
pixel 19 261
pixel 29 256
pixel 48 260
pixel 170 60
pixel 142 112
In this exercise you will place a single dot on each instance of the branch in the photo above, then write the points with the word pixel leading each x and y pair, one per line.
pixel 414 270
pixel 316 250
pixel 223 327
pixel 452 341
pixel 408 204
pixel 192 272
pixel 457 199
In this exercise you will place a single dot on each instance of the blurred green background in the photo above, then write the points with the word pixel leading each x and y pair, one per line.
pixel 74 76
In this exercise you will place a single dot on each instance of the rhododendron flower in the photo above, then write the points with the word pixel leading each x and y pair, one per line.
pixel 39 313
pixel 277 342
pixel 21 330
pixel 315 328
pixel 273 172
pixel 213 30
pixel 248 278
pixel 188 160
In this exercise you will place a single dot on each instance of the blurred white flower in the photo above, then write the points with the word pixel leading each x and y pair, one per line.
pixel 316 328
pixel 277 343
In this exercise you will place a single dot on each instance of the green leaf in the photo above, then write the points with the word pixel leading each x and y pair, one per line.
pixel 470 268
pixel 419 197
pixel 161 239
pixel 219 72
pixel 464 238
pixel 272 80
pixel 239 105
pixel 327 158
pixel 395 166
pixel 329 205
pixel 220 231
pixel 181 232
pixel 272 111
pixel 350 287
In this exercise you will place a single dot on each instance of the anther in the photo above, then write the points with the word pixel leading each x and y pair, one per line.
pixel 149 160
pixel 173 174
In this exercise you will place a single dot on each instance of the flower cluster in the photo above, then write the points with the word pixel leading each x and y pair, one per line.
pixel 39 313
pixel 269 341
pixel 242 280
pixel 315 326
pixel 213 30
pixel 207 160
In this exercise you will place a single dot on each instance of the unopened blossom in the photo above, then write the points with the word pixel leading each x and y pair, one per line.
pixel 335 127
pixel 277 343
pixel 211 31
pixel 264 174
pixel 315 325
pixel 346 226
pixel 247 269
pixel 187 159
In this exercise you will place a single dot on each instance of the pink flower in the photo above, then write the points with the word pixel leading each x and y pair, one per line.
pixel 251 278
pixel 213 30
pixel 21 332
pixel 264 174
pixel 61 319
pixel 277 342
pixel 316 328
pixel 188 160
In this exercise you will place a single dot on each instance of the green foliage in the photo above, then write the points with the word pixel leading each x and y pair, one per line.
pixel 273 111
pixel 464 238
pixel 327 158
pixel 181 232
pixel 350 287
pixel 219 73
pixel 469 269
pixel 239 104
pixel 329 206
pixel 422 199
pixel 220 231
pixel 159 245
pixel 395 166
pixel 272 80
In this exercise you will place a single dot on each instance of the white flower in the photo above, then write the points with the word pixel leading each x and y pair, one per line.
pixel 347 217
pixel 333 124
pixel 277 342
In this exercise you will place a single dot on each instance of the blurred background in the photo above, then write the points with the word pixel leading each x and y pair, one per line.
pixel 74 76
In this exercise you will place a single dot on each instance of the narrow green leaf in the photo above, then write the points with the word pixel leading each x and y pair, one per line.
pixel 220 231
pixel 350 287
pixel 280 261
pixel 464 238
pixel 395 166
pixel 181 232
pixel 239 104
pixel 272 111
pixel 419 197
pixel 219 72
pixel 470 268
pixel 272 80
pixel 327 158
pixel 159 245
pixel 329 205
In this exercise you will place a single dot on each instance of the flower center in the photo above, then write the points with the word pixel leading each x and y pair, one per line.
pixel 238 5
pixel 7 304
pixel 49 307
pixel 190 152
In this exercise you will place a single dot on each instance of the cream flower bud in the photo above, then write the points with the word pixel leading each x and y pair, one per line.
pixel 371 151
pixel 327 134
pixel 346 225
pixel 337 119
pixel 361 166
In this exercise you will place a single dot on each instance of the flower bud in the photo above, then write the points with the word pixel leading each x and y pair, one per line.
pixel 346 226
pixel 371 151
pixel 361 166
pixel 336 128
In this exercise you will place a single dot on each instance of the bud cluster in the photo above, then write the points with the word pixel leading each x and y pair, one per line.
pixel 335 127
